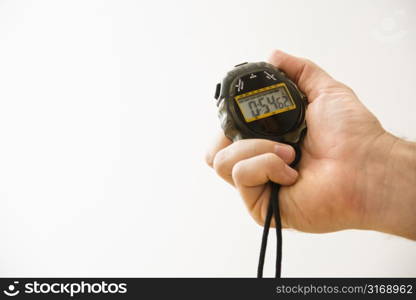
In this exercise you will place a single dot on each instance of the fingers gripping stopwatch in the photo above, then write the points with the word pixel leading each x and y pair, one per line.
pixel 257 100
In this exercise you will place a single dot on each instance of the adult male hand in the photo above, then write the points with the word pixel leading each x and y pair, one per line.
pixel 350 171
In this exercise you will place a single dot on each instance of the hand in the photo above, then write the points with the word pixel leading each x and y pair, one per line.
pixel 344 157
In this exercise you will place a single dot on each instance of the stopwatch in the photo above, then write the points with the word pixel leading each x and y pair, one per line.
pixel 257 100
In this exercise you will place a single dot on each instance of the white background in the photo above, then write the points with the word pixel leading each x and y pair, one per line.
pixel 106 109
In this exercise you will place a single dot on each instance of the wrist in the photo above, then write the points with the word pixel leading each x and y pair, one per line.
pixel 391 192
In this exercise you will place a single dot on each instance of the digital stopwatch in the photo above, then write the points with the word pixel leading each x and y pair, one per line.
pixel 257 100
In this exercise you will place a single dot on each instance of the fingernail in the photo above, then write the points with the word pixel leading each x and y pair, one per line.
pixel 284 152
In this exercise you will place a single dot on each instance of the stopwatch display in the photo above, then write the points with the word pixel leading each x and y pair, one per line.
pixel 265 102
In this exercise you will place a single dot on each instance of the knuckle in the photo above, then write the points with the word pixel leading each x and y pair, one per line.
pixel 335 87
pixel 258 217
pixel 208 159
pixel 345 87
pixel 220 162
pixel 307 61
pixel 272 160
pixel 238 172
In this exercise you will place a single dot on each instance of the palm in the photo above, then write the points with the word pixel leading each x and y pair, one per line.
pixel 326 196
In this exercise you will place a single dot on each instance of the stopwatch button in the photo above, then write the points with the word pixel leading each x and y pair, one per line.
pixel 240 64
pixel 217 91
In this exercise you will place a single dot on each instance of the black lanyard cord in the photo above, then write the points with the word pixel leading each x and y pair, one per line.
pixel 272 210
pixel 278 222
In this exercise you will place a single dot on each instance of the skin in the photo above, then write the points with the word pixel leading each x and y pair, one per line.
pixel 352 175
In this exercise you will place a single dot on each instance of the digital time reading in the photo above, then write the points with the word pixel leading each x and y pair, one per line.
pixel 265 102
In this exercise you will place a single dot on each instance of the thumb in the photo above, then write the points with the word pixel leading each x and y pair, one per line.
pixel 310 78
